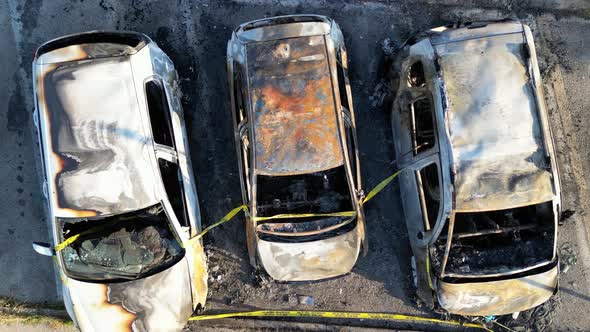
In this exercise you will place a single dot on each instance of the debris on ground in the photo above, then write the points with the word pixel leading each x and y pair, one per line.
pixel 381 94
pixel 388 47
pixel 565 215
pixel 567 257
pixel 304 299
pixel 538 319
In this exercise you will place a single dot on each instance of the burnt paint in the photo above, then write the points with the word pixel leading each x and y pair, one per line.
pixel 83 146
pixel 295 122
pixel 156 303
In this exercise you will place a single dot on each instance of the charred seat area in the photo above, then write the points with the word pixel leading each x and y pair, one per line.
pixel 319 192
pixel 121 247
pixel 500 241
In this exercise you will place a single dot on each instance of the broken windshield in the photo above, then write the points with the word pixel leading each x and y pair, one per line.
pixel 124 246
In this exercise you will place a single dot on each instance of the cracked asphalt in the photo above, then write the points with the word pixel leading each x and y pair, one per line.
pixel 194 34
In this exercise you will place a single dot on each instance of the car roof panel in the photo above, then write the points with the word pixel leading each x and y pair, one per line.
pixel 99 156
pixel 295 121
pixel 493 122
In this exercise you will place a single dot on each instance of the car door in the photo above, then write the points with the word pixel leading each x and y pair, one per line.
pixel 170 143
pixel 161 121
pixel 188 185
pixel 348 117
pixel 417 152
pixel 243 142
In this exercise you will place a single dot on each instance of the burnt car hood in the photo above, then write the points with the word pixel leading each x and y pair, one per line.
pixel 161 302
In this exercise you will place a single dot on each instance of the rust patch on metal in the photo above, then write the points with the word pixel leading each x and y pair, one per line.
pixel 199 274
pixel 293 102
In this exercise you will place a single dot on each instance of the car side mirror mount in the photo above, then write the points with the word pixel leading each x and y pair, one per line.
pixel 43 248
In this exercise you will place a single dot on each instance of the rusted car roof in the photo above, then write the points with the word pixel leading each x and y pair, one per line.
pixel 499 158
pixel 97 155
pixel 292 99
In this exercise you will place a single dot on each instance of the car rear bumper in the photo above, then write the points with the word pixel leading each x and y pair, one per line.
pixel 498 297
pixel 313 260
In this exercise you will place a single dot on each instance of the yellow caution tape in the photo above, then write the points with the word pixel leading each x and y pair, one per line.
pixel 338 315
pixel 380 187
pixel 221 221
pixel 236 210
pixel 503 326
pixel 307 215
pixel 67 242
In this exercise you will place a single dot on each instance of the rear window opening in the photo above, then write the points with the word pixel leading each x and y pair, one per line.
pixel 134 40
pixel 498 241
pixel 282 20
pixel 159 113
pixel 320 192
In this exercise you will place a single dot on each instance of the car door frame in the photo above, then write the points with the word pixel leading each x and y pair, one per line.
pixel 410 162
pixel 237 78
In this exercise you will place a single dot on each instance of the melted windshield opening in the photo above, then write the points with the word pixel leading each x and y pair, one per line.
pixel 122 247
pixel 498 241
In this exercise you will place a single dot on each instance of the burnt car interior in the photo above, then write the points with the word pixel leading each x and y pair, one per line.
pixel 491 242
pixel 120 247
pixel 319 192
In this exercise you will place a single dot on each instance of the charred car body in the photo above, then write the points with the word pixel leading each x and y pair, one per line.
pixel 296 143
pixel 118 182
pixel 480 186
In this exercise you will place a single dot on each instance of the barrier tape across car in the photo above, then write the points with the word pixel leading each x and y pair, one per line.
pixel 244 208
pixel 235 211
pixel 392 317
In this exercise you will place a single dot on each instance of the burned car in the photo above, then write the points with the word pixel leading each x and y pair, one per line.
pixel 296 143
pixel 118 183
pixel 480 187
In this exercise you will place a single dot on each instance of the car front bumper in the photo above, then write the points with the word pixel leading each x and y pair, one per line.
pixel 314 260
pixel 498 297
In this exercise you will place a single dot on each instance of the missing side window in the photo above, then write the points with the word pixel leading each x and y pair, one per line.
pixel 239 97
pixel 246 163
pixel 159 113
pixel 342 85
pixel 173 186
pixel 422 125
pixel 429 189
